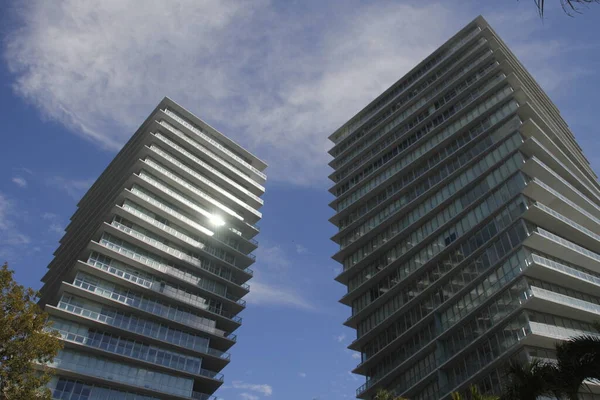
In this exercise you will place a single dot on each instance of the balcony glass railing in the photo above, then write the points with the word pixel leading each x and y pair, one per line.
pixel 152 181
pixel 230 243
pixel 560 267
pixel 201 148
pixel 196 244
pixel 139 325
pixel 409 111
pixel 155 285
pixel 556 332
pixel 208 167
pixel 213 142
pixel 161 264
pixel 354 124
pixel 565 300
pixel 465 118
pixel 220 236
pixel 180 274
pixel 154 307
pixel 202 179
pixel 143 352
pixel 168 249
pixel 119 372
pixel 156 166
pixel 568 201
pixel 567 221
pixel 567 244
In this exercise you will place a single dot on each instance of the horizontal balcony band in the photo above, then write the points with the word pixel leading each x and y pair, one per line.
pixel 143 263
pixel 231 158
pixel 489 88
pixel 152 288
pixel 219 339
pixel 498 125
pixel 168 252
pixel 215 174
pixel 470 39
pixel 534 167
pixel 549 219
pixel 552 245
pixel 146 165
pixel 74 372
pixel 215 237
pixel 78 342
pixel 531 128
pixel 545 194
pixel 439 94
pixel 171 132
pixel 205 185
pixel 225 325
pixel 241 230
pixel 132 214
pixel 207 312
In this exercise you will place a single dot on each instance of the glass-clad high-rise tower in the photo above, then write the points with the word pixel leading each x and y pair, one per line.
pixel 469 223
pixel 147 283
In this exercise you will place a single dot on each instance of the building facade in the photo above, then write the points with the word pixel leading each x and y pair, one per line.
pixel 147 282
pixel 468 224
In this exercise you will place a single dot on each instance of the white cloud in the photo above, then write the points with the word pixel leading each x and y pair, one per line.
pixel 56 228
pixel 248 396
pixel 356 355
pixel 272 257
pixel 301 249
pixel 276 295
pixel 49 216
pixel 11 238
pixel 75 188
pixel 279 83
pixel 302 374
pixel 340 338
pixel 265 389
pixel 19 181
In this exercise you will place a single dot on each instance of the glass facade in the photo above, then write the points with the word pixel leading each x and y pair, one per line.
pixel 468 224
pixel 147 284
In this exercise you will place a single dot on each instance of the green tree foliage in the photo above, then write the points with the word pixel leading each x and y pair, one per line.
pixel 25 343
pixel 577 359
pixel 383 394
pixel 474 394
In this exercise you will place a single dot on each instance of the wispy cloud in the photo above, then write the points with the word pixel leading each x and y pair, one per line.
pixel 340 338
pixel 56 228
pixel 263 388
pixel 278 82
pixel 277 295
pixel 273 257
pixel 19 181
pixel 302 374
pixel 75 188
pixel 248 396
pixel 301 249
pixel 11 238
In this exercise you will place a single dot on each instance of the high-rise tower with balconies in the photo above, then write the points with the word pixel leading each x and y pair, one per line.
pixel 469 224
pixel 147 283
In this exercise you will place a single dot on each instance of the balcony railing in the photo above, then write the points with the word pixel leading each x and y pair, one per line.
pixel 166 268
pixel 207 166
pixel 185 201
pixel 202 179
pixel 86 341
pixel 213 142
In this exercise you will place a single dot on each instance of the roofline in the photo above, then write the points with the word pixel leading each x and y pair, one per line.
pixel 478 21
pixel 170 103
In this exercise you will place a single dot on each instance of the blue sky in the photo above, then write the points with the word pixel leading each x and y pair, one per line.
pixel 76 79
